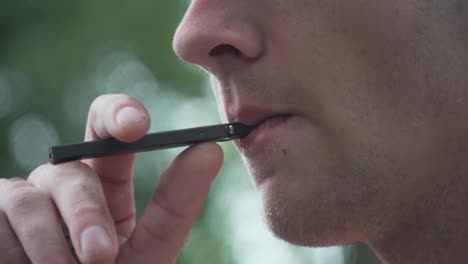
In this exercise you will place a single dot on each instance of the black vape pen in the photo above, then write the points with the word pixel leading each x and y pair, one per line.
pixel 154 141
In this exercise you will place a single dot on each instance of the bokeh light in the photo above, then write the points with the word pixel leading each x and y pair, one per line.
pixel 30 138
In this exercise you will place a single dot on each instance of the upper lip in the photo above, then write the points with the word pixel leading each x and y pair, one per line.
pixel 251 115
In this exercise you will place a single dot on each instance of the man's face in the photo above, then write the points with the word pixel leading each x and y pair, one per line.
pixel 359 98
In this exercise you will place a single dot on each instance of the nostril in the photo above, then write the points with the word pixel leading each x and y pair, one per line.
pixel 225 49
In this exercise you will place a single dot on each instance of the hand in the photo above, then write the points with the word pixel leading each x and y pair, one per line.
pixel 95 199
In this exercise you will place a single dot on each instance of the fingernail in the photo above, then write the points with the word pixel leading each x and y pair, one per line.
pixel 94 240
pixel 129 115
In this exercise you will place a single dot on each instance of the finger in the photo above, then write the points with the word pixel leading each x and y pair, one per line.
pixel 11 250
pixel 174 207
pixel 33 219
pixel 119 116
pixel 125 119
pixel 77 193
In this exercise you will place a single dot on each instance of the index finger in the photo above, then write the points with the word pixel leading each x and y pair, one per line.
pixel 126 119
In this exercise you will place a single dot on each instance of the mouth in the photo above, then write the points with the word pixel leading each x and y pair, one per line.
pixel 262 133
pixel 265 122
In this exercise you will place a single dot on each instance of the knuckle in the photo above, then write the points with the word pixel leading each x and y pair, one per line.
pixel 76 169
pixel 33 230
pixel 163 236
pixel 88 191
pixel 161 202
pixel 6 182
pixel 86 197
pixel 87 185
pixel 39 171
pixel 23 196
pixel 49 176
pixel 88 208
pixel 169 230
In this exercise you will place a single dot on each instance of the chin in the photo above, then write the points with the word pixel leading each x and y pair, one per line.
pixel 284 222
pixel 304 217
pixel 312 197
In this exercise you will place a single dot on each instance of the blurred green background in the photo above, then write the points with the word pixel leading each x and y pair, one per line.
pixel 56 56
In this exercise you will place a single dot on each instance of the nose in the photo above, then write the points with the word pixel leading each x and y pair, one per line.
pixel 212 34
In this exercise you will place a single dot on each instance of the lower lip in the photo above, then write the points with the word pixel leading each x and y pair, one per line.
pixel 262 134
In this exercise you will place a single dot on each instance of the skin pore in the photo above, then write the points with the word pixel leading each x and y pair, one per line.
pixel 375 149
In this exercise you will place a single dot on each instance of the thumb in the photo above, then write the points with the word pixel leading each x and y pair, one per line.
pixel 174 207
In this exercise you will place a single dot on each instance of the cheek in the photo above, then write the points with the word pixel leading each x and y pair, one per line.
pixel 400 145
